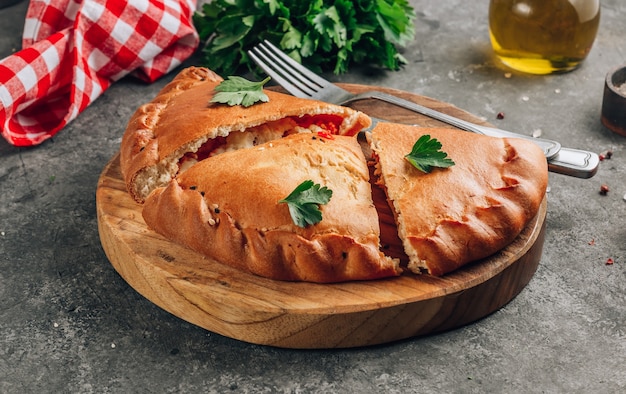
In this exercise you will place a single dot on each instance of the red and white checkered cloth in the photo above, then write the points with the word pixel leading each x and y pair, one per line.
pixel 73 50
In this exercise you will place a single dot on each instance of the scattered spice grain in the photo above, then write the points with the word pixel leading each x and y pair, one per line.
pixel 604 190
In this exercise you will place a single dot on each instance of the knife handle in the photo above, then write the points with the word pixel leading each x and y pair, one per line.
pixel 574 162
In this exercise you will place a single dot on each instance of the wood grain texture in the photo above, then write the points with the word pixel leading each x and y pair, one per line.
pixel 307 315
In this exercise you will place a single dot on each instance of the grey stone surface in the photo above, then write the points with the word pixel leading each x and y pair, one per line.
pixel 69 323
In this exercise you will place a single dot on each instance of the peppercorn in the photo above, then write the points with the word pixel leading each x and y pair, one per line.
pixel 604 189
pixel 607 154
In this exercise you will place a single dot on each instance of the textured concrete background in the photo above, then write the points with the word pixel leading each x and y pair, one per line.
pixel 69 323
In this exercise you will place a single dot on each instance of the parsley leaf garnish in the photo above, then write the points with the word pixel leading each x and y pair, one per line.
pixel 426 154
pixel 325 35
pixel 239 91
pixel 304 203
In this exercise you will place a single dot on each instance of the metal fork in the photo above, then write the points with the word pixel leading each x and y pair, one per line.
pixel 301 82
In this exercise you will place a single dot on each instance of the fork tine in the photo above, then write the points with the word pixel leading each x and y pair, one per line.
pixel 295 68
pixel 287 74
pixel 294 77
pixel 290 73
pixel 262 61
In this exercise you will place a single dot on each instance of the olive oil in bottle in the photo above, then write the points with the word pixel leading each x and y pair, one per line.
pixel 543 36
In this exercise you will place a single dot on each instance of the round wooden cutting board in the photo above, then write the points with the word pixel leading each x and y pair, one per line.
pixel 307 315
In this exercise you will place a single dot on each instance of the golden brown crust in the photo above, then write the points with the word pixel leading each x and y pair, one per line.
pixel 226 207
pixel 453 216
pixel 140 144
pixel 181 117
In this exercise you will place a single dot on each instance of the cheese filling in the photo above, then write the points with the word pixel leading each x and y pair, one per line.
pixel 261 134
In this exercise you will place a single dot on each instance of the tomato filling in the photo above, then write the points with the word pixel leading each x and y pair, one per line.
pixel 330 123
pixel 391 244
pixel 325 125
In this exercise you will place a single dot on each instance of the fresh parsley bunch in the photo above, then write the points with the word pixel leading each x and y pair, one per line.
pixel 325 35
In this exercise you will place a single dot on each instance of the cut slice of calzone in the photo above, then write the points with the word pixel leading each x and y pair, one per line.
pixel 452 216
